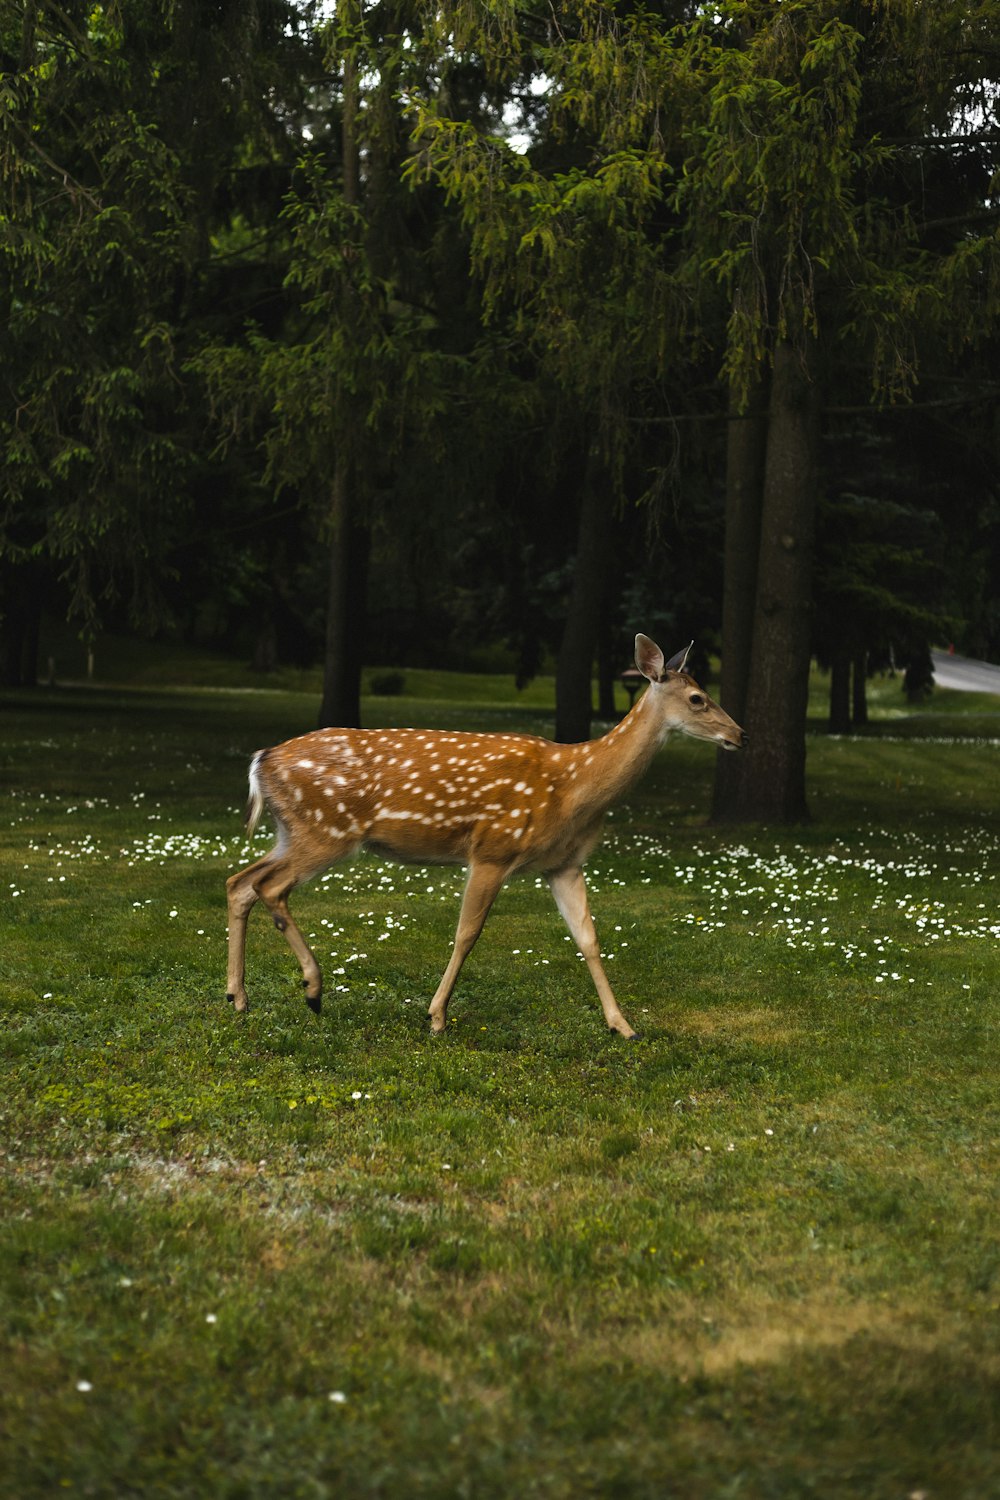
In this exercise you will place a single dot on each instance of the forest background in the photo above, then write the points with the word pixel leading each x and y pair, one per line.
pixel 388 333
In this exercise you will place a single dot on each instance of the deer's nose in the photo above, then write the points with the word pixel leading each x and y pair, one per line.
pixel 744 739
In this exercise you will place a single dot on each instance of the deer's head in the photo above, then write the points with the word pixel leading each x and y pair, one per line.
pixel 685 706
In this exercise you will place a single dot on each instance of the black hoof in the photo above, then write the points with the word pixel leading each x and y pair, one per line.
pixel 633 1036
pixel 231 999
pixel 314 1002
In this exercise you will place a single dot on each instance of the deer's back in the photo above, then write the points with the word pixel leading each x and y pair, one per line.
pixel 426 795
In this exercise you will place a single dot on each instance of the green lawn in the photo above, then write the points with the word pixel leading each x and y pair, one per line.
pixel 281 1255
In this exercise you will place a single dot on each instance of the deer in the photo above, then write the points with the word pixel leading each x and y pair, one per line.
pixel 497 803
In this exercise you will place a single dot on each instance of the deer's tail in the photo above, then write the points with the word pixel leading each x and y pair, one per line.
pixel 255 801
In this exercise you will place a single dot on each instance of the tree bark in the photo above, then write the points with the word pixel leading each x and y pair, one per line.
pixel 346 605
pixel 575 660
pixel 607 709
pixel 21 601
pixel 350 165
pixel 346 608
pixel 29 22
pixel 840 693
pixel 860 693
pixel 772 772
pixel 746 452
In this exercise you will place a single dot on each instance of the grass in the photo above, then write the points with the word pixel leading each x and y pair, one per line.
pixel 125 661
pixel 282 1255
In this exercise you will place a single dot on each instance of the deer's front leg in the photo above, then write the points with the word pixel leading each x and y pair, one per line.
pixel 480 892
pixel 570 892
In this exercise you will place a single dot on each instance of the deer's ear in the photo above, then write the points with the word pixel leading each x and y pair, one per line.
pixel 648 658
pixel 676 663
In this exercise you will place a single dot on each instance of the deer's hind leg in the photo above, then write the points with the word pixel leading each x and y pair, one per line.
pixel 241 898
pixel 272 880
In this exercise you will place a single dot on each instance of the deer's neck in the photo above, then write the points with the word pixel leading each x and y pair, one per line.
pixel 607 768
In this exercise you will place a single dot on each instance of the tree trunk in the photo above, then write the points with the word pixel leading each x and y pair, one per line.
pixel 860 689
pixel 265 647
pixel 346 606
pixel 746 450
pixel 350 166
pixel 575 661
pixel 772 779
pixel 606 707
pixel 346 609
pixel 29 22
pixel 21 600
pixel 840 693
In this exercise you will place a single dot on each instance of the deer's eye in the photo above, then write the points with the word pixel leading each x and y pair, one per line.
pixel 696 700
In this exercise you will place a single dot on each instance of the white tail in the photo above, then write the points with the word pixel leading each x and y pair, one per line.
pixel 497 803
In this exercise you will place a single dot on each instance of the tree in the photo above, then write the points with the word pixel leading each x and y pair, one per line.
pixel 767 188
pixel 558 236
pixel 736 160
pixel 94 218
pixel 361 368
pixel 814 266
pixel 110 183
pixel 880 583
pixel 436 347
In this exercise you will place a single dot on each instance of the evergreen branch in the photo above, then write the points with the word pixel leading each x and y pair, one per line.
pixel 66 177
